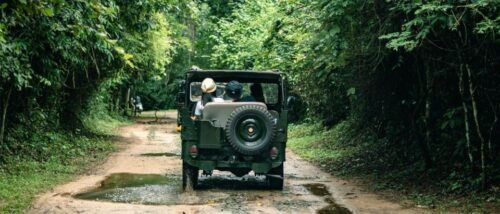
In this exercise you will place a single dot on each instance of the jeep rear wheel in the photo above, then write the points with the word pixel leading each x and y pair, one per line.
pixel 276 177
pixel 189 177
pixel 250 129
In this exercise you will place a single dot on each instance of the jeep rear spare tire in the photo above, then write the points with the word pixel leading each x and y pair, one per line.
pixel 250 129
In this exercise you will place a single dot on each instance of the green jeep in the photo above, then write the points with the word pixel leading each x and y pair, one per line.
pixel 233 136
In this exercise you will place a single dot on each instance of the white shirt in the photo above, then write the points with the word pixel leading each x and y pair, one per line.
pixel 199 106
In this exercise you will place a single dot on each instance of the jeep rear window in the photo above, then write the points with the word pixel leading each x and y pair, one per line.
pixel 270 91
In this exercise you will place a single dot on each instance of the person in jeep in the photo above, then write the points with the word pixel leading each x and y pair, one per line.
pixel 239 136
pixel 208 88
pixel 256 94
pixel 234 90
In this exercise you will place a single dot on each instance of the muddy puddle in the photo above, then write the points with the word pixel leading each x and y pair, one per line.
pixel 321 190
pixel 166 154
pixel 150 189
pixel 155 189
pixel 136 188
pixel 226 190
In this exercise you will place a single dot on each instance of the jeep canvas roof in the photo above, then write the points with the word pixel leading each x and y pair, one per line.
pixel 239 75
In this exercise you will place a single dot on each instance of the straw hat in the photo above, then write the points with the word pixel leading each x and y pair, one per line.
pixel 208 85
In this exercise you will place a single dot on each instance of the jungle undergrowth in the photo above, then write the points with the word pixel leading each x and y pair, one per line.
pixel 55 157
pixel 351 153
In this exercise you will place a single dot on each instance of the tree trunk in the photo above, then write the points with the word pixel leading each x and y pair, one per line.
pixel 423 144
pixel 72 107
pixel 494 108
pixel 492 130
pixel 117 102
pixel 127 101
pixel 4 114
pixel 461 88
pixel 478 128
pixel 428 106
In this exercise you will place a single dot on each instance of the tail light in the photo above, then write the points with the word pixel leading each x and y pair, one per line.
pixel 193 151
pixel 274 153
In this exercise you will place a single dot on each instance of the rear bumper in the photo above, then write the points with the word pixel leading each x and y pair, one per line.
pixel 257 167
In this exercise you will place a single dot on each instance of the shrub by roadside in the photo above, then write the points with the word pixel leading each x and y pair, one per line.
pixel 349 152
pixel 56 157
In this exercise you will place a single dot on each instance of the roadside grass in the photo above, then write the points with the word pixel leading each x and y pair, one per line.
pixel 314 143
pixel 346 152
pixel 22 180
pixel 22 177
pixel 104 124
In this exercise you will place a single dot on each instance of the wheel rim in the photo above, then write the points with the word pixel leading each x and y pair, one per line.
pixel 251 130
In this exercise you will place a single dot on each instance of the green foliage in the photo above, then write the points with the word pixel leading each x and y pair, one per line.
pixel 188 31
pixel 21 180
pixel 242 35
pixel 158 93
pixel 419 77
pixel 344 151
pixel 98 119
pixel 66 62
pixel 327 146
pixel 434 16
pixel 65 67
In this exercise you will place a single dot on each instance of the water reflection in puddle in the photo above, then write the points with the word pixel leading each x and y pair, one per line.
pixel 321 190
pixel 228 191
pixel 154 189
pixel 150 189
pixel 130 188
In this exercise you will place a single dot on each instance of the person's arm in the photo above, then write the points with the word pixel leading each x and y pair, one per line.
pixel 198 110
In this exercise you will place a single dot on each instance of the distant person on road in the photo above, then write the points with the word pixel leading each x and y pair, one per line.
pixel 137 105
pixel 234 90
pixel 208 88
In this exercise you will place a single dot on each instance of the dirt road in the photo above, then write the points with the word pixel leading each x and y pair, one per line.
pixel 145 177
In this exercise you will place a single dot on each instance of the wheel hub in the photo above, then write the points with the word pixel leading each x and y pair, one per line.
pixel 250 130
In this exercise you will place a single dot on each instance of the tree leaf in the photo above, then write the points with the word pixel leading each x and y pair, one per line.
pixel 48 11
pixel 351 91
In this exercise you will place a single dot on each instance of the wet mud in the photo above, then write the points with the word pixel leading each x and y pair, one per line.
pixel 155 189
pixel 147 171
pixel 321 190
pixel 153 121
pixel 226 190
pixel 232 183
pixel 166 154
pixel 148 189
pixel 135 188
